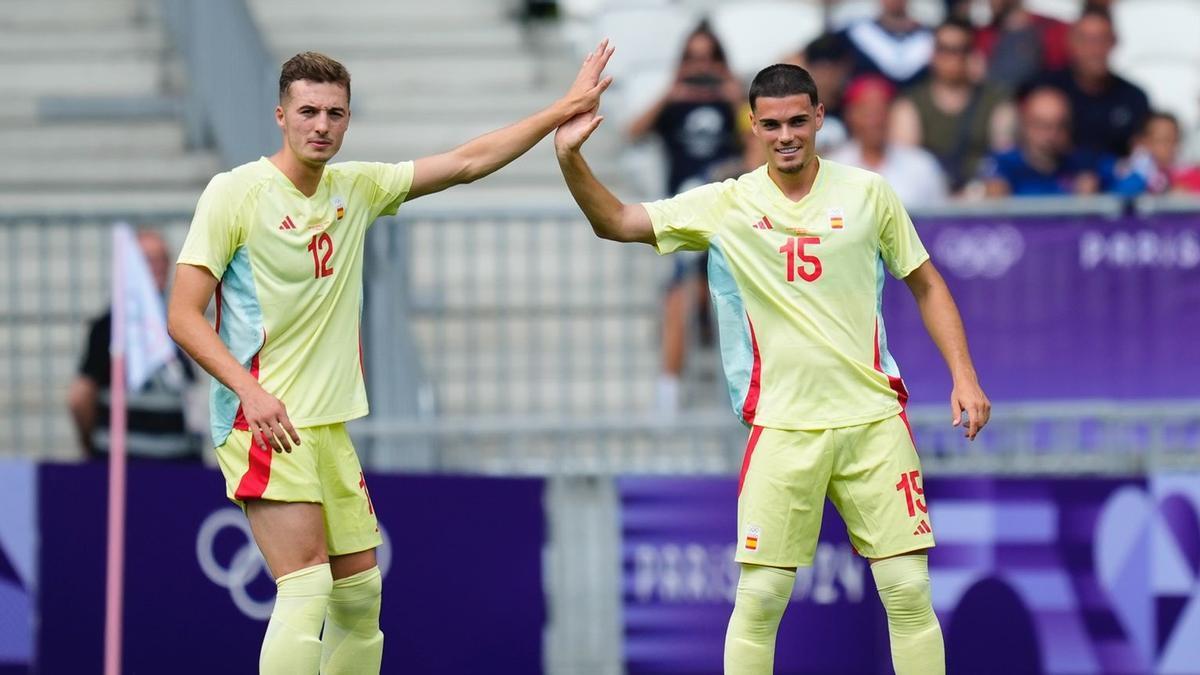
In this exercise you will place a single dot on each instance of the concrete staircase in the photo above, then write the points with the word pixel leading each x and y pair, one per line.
pixel 89 118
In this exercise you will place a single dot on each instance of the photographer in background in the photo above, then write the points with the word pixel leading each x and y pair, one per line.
pixel 697 122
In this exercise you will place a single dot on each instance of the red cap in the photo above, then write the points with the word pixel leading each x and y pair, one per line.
pixel 865 83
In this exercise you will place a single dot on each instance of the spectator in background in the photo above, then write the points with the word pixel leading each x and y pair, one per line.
pixel 893 44
pixel 696 117
pixel 156 422
pixel 829 60
pixel 1045 162
pixel 958 121
pixel 1019 45
pixel 912 171
pixel 1106 109
pixel 1154 164
pixel 696 120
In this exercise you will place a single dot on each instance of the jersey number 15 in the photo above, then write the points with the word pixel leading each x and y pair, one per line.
pixel 809 267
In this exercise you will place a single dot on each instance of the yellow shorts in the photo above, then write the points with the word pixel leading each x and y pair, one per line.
pixel 870 472
pixel 323 469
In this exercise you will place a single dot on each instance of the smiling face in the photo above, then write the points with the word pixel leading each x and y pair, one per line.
pixel 314 117
pixel 787 128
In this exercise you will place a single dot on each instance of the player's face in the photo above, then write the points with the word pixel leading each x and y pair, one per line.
pixel 787 128
pixel 314 117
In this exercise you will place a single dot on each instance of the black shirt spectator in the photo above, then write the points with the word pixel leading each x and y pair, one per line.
pixel 1106 109
pixel 155 425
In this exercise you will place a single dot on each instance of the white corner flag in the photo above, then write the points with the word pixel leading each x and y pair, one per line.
pixel 139 329
pixel 140 346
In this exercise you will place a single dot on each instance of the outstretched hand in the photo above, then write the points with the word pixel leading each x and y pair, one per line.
pixel 584 94
pixel 968 397
pixel 572 134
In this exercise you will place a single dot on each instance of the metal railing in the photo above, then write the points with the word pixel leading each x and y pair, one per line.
pixel 512 343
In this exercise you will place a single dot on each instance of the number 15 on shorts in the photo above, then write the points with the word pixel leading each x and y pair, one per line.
pixel 910 484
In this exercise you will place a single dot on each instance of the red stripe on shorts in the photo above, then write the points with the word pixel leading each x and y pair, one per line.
pixel 254 481
pixel 750 444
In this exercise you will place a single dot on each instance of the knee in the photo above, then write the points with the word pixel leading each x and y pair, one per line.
pixel 903 584
pixel 356 598
pixel 907 600
pixel 763 593
pixel 314 581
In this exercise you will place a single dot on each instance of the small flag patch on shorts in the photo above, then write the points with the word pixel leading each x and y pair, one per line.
pixel 752 535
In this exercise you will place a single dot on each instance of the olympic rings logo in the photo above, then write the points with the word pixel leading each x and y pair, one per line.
pixel 247 563
pixel 980 251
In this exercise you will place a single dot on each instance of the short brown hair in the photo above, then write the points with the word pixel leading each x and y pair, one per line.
pixel 314 67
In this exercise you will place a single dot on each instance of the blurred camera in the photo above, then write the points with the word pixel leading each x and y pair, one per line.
pixel 703 80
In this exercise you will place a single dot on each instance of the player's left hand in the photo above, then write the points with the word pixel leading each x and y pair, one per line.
pixel 968 397
pixel 584 94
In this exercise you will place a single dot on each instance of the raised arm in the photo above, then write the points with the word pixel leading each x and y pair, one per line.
pixel 944 324
pixel 481 156
pixel 610 218
pixel 265 414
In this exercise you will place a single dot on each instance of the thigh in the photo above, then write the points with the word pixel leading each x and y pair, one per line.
pixel 350 522
pixel 781 496
pixel 290 535
pixel 879 491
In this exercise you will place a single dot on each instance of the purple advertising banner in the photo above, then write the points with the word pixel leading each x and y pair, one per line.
pixel 1063 307
pixel 680 578
pixel 1029 576
pixel 197 594
pixel 18 564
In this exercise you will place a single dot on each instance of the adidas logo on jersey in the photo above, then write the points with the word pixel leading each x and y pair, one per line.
pixel 287 224
pixel 763 224
pixel 922 528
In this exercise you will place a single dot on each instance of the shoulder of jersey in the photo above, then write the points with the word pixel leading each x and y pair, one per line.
pixel 241 179
pixel 846 173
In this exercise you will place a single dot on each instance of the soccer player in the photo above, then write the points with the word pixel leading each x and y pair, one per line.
pixel 797 252
pixel 280 242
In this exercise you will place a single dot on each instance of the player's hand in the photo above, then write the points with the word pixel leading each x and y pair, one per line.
pixel 584 94
pixel 571 135
pixel 268 420
pixel 968 397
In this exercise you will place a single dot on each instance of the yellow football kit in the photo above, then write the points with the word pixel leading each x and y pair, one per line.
pixel 797 288
pixel 288 308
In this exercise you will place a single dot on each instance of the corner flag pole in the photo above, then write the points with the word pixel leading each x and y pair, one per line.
pixel 115 569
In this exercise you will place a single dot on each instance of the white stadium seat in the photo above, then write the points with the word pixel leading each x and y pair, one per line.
pixel 1063 10
pixel 1156 28
pixel 758 34
pixel 1172 84
pixel 645 37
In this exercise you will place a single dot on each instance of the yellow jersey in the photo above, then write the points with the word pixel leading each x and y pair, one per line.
pixel 289 296
pixel 798 289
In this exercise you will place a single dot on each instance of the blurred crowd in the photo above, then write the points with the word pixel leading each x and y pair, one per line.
pixel 1025 105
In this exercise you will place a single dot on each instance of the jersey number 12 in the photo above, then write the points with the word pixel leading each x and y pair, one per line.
pixel 322 250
